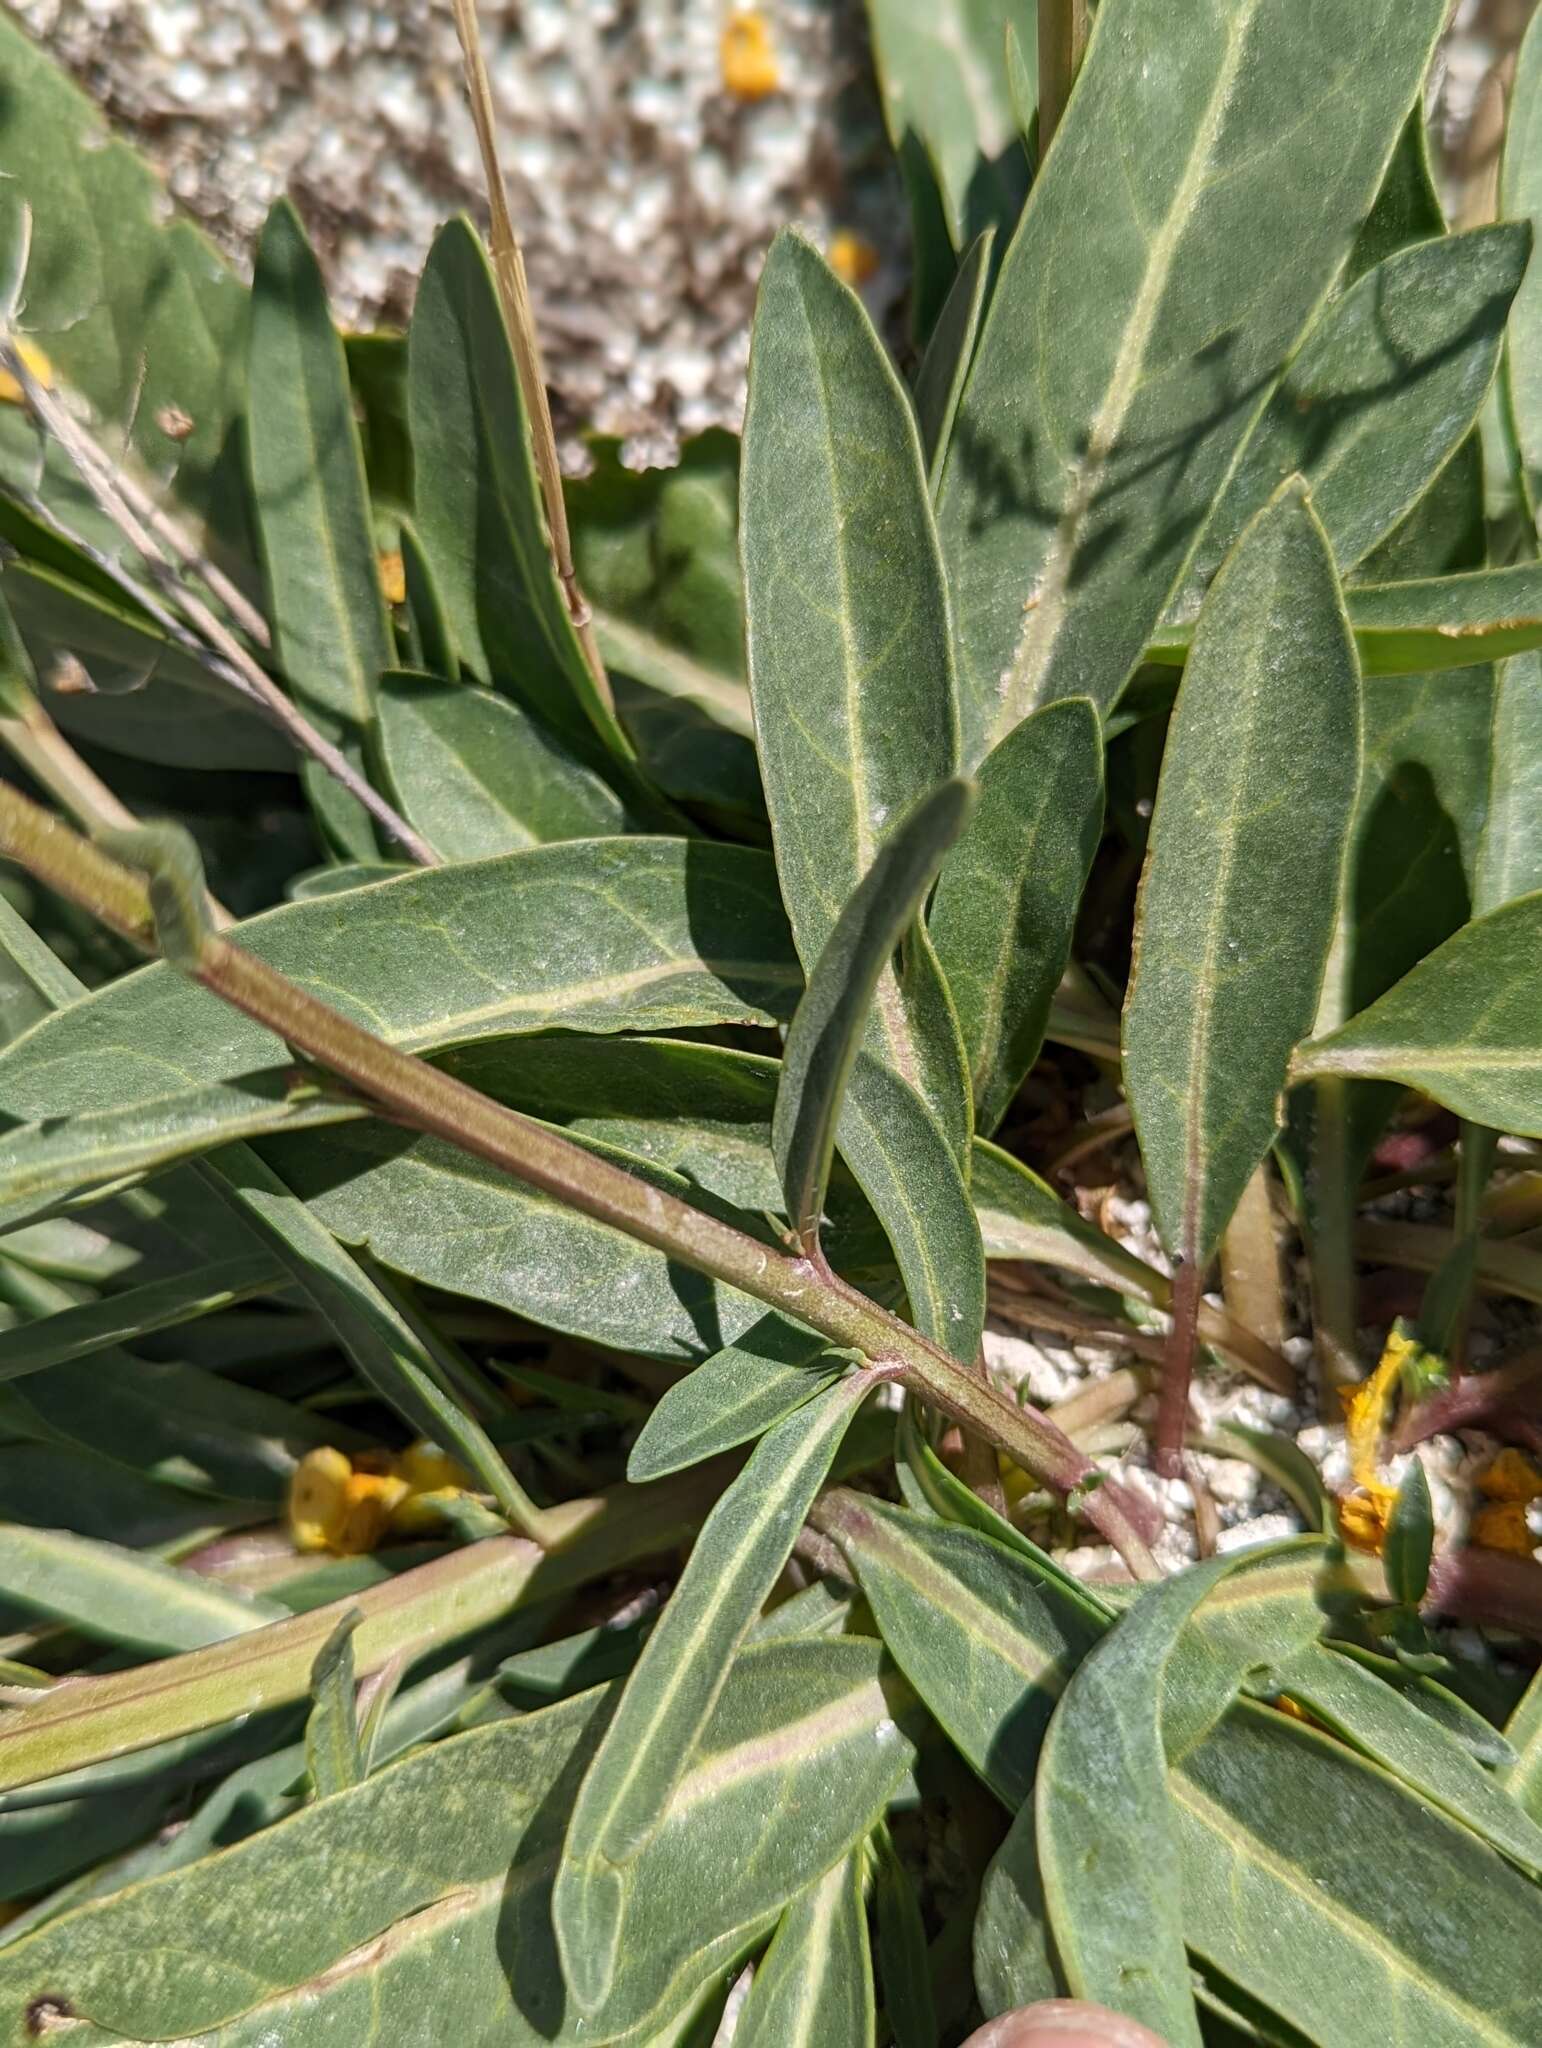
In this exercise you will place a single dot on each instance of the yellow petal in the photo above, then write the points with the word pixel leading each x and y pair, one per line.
pixel 1512 1477
pixel 36 362
pixel 747 56
pixel 1368 1405
pixel 852 256
pixel 1502 1525
pixel 393 576
pixel 419 1514
pixel 427 1469
pixel 371 1499
pixel 317 1495
pixel 1363 1516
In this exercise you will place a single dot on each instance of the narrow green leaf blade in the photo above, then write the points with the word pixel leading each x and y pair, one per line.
pixel 829 1023
pixel 1523 1778
pixel 733 1397
pixel 950 351
pixel 117 1596
pixel 1007 902
pixel 1241 882
pixel 814 1985
pixel 847 628
pixel 1510 852
pixel 138 1312
pixel 331 630
pixel 742 1547
pixel 1462 1027
pixel 479 776
pixel 478 501
pixel 333 1755
pixel 1386 385
pixel 1088 452
pixel 1411 1527
pixel 904 1968
pixel 1520 199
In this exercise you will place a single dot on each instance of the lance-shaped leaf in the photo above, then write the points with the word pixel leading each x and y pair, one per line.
pixel 331 632
pixel 626 1791
pixel 1510 852
pixel 1241 881
pixel 1014 1951
pixel 830 1021
pixel 847 629
pixel 1087 452
pixel 333 1754
pixel 600 935
pixel 1007 901
pixel 1102 1804
pixel 427 1889
pixel 1520 198
pixel 1387 384
pixel 478 776
pixel 814 1985
pixel 733 1397
pixel 478 502
pixel 1522 1778
pixel 904 1968
pixel 950 351
pixel 139 1311
pixel 1427 623
pixel 1463 1027
pixel 1377 1719
pixel 942 72
pixel 116 1596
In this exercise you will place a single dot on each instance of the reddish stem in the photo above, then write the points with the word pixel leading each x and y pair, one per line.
pixel 1178 1368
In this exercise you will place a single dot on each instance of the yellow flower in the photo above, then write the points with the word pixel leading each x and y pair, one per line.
pixel 36 362
pixel 852 256
pixel 1511 1477
pixel 427 1469
pixel 349 1505
pixel 393 576
pixel 747 56
pixel 1502 1525
pixel 1368 1405
pixel 1363 1516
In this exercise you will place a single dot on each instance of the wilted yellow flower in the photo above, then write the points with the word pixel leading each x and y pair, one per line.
pixel 1368 1406
pixel 349 1505
pixel 393 576
pixel 36 362
pixel 1511 1477
pixel 427 1469
pixel 747 56
pixel 1363 1516
pixel 852 256
pixel 1502 1525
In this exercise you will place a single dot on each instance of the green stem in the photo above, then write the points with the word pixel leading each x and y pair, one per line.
pixel 424 1098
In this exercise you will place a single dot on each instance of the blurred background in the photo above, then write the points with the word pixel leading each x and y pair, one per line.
pixel 652 148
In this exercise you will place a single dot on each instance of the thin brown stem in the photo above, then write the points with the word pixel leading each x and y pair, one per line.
pixel 1178 1368
pixel 210 642
pixel 514 295
pixel 435 1102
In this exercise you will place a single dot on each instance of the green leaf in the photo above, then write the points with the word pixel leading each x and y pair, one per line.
pixel 968 1627
pixel 478 501
pixel 1510 852
pixel 829 1023
pixel 1007 902
pixel 950 351
pixel 1427 623
pixel 734 1397
pixel 850 655
pixel 1462 1027
pixel 478 776
pixel 117 1596
pixel 904 1967
pixel 1520 199
pixel 1385 1725
pixel 1103 1807
pixel 606 935
pixel 942 73
pixel 670 1695
pixel 1241 882
pixel 1088 451
pixel 331 631
pixel 1410 1537
pixel 91 1326
pixel 1407 207
pixel 1523 1778
pixel 1387 384
pixel 428 627
pixel 51 1485
pixel 333 1755
pixel 814 1986
pixel 134 310
pixel 1282 1828
pixel 1014 1951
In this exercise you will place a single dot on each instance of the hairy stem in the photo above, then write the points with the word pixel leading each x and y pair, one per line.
pixel 429 1100
pixel 1178 1368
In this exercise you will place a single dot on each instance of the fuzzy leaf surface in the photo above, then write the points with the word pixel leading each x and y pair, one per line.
pixel 733 1397
pixel 1087 451
pixel 1520 199
pixel 1510 852
pixel 814 1985
pixel 1240 887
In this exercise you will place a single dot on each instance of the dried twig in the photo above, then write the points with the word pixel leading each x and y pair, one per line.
pixel 514 294
pixel 210 642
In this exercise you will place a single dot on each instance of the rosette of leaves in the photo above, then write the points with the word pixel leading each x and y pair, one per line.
pixel 593 1040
